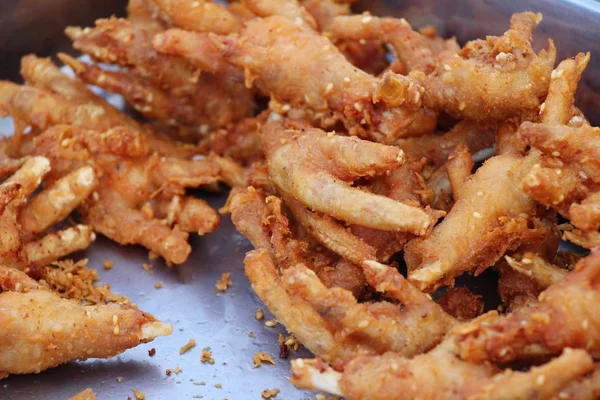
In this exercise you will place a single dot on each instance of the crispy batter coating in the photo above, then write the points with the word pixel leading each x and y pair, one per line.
pixel 495 78
pixel 41 330
pixel 320 79
pixel 129 177
pixel 565 317
pixel 491 216
pixel 324 167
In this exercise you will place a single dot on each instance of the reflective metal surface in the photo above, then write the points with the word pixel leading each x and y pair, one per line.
pixel 187 298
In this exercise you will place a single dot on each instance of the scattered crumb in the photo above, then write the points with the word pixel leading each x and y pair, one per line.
pixel 206 356
pixel 158 285
pixel 175 371
pixel 152 352
pixel 224 283
pixel 74 280
pixel 260 314
pixel 271 323
pixel 148 268
pixel 238 250
pixel 152 256
pixel 119 379
pixel 218 386
pixel 197 396
pixel 108 264
pixel 138 395
pixel 251 334
pixel 188 346
pixel 262 357
pixel 87 394
pixel 202 383
pixel 269 393
pixel 286 344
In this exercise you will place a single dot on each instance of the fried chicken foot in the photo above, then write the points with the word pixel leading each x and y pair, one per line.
pixel 130 177
pixel 41 330
pixel 21 221
pixel 338 337
pixel 439 374
pixel 262 221
pixel 324 162
pixel 536 268
pixel 495 78
pixel 564 317
pixel 321 80
pixel 199 16
pixel 490 217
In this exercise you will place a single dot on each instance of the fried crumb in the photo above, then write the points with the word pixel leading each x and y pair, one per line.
pixel 158 285
pixel 152 352
pixel 148 268
pixel 138 395
pixel 152 256
pixel 251 334
pixel 206 356
pixel 262 357
pixel 188 346
pixel 108 264
pixel 269 393
pixel 119 379
pixel 238 250
pixel 218 386
pixel 74 280
pixel 287 343
pixel 271 323
pixel 224 283
pixel 175 371
pixel 260 314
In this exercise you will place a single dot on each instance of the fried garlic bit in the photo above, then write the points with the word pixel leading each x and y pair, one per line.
pixel 262 357
pixel 495 78
pixel 333 325
pixel 24 221
pixel 320 79
pixel 141 197
pixel 41 330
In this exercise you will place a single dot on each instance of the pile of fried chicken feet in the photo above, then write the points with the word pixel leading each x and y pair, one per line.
pixel 343 166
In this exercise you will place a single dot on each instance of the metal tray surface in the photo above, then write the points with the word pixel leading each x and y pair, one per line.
pixel 187 298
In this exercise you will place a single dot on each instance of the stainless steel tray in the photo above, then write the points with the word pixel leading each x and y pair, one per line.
pixel 187 298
